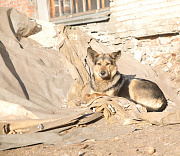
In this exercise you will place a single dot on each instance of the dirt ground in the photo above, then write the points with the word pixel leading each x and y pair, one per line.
pixel 143 139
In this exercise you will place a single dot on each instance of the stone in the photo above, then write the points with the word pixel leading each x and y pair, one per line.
pixel 165 69
pixel 175 45
pixel 149 60
pixel 164 40
pixel 118 41
pixel 169 65
pixel 157 61
pixel 129 44
pixel 138 55
pixel 151 150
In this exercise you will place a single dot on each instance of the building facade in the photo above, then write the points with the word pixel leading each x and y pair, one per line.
pixel 141 27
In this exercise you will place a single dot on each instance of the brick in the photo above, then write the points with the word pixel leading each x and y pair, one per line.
pixel 133 5
pixel 112 4
pixel 19 4
pixel 154 43
pixel 176 40
pixel 140 44
pixel 14 6
pixel 11 3
pixel 6 5
pixel 30 7
pixel 125 18
pixel 28 14
pixel 174 8
pixel 171 3
pixel 30 11
pixel 122 29
pixel 171 21
pixel 24 12
pixel 23 7
pixel 25 3
pixel 124 35
pixel 146 2
pixel 176 14
pixel 122 7
pixel 141 33
pixel 122 2
pixel 18 9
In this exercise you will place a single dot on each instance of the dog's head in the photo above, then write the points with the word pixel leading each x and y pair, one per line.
pixel 104 64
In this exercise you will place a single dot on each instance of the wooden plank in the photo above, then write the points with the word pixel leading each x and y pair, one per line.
pixel 89 5
pixel 72 7
pixel 52 8
pixel 84 5
pixel 77 9
pixel 64 3
pixel 60 8
pixel 103 4
pixel 98 4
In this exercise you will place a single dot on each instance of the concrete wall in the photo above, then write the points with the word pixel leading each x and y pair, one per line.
pixel 144 28
pixel 42 9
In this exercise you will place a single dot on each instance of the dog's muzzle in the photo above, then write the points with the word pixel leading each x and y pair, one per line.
pixel 103 74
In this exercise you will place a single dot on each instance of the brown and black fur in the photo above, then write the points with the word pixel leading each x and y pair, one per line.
pixel 107 80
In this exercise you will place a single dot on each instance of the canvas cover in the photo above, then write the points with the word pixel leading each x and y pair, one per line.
pixel 41 89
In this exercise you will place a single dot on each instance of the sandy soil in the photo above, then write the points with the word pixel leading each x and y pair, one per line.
pixel 144 139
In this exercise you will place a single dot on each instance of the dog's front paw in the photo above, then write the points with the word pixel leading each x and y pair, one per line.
pixel 89 97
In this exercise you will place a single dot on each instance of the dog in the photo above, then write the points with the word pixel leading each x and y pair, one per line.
pixel 107 80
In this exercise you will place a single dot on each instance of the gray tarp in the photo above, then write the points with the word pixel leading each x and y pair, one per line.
pixel 36 82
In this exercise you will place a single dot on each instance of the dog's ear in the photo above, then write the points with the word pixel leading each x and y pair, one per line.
pixel 92 54
pixel 116 55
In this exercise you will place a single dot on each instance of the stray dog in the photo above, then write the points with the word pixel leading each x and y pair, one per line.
pixel 106 80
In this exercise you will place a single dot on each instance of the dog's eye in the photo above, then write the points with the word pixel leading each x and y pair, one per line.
pixel 99 64
pixel 107 64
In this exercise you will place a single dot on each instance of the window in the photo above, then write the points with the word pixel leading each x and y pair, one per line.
pixel 67 11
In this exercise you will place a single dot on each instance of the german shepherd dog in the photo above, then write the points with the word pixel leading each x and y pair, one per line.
pixel 106 80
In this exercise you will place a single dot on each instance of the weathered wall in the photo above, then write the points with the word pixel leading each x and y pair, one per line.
pixel 144 18
pixel 24 6
pixel 143 27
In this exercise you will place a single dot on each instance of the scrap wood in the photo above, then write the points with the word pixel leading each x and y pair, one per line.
pixel 57 123
pixel 84 117
pixel 8 126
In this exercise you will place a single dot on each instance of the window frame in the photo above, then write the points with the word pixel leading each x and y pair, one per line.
pixel 99 14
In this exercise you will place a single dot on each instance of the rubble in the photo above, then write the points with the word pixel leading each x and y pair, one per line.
pixel 47 37
pixel 162 52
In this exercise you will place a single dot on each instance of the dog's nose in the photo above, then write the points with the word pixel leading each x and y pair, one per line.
pixel 103 73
